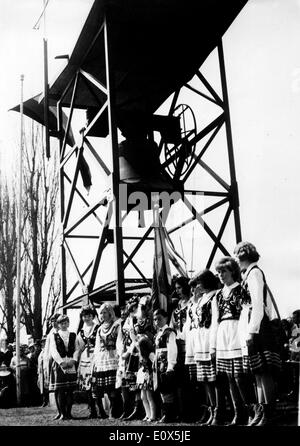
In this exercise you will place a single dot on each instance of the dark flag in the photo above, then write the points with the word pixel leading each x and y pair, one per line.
pixel 161 285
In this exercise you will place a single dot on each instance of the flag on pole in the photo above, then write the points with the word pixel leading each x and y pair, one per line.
pixel 161 285
pixel 177 260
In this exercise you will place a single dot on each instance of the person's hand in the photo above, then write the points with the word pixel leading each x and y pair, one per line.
pixel 152 357
pixel 64 365
pixel 249 340
pixel 71 363
pixel 132 335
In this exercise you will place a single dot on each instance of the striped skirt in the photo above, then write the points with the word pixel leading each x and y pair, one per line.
pixel 60 380
pixel 264 351
pixel 206 371
pixel 103 380
pixel 232 367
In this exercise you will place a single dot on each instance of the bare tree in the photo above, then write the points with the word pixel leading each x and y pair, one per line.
pixel 40 196
pixel 53 295
pixel 8 237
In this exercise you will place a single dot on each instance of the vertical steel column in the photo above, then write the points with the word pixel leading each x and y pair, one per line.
pixel 62 207
pixel 234 188
pixel 118 242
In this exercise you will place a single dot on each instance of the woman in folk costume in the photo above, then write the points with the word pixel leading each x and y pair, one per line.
pixel 145 333
pixel 190 332
pixel 225 342
pixel 105 359
pixel 164 364
pixel 260 347
pixel 86 340
pixel 47 359
pixel 24 366
pixel 207 285
pixel 129 363
pixel 43 385
pixel 177 323
pixel 63 375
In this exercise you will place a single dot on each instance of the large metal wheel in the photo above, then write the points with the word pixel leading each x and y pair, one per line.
pixel 178 157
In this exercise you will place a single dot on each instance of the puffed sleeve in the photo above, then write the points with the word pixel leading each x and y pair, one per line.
pixel 47 347
pixel 13 363
pixel 78 349
pixel 214 324
pixel 255 284
pixel 119 343
pixel 53 351
pixel 172 351
pixel 97 348
pixel 187 325
pixel 80 345
pixel 172 323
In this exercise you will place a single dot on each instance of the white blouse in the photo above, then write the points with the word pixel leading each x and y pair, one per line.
pixel 255 284
pixel 53 349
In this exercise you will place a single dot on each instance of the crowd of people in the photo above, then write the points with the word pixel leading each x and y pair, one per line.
pixel 217 357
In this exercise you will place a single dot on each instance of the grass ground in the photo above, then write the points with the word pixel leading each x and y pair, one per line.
pixel 43 416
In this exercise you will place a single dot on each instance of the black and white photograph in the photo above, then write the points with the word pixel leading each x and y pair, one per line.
pixel 149 216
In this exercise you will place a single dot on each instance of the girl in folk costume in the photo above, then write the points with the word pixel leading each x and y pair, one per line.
pixel 145 332
pixel 225 341
pixel 260 346
pixel 207 285
pixel 105 359
pixel 164 362
pixel 177 323
pixel 128 363
pixel 63 376
pixel 86 340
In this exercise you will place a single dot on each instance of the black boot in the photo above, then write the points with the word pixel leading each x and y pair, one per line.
pixel 93 411
pixel 267 415
pixel 102 413
pixel 168 413
pixel 218 417
pixel 258 413
pixel 250 410
pixel 137 412
pixel 205 415
pixel 209 420
pixel 240 417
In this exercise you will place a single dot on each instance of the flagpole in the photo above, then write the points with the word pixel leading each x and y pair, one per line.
pixel 192 259
pixel 46 86
pixel 18 296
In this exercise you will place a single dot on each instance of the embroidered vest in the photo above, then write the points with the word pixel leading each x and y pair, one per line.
pixel 145 326
pixel 90 340
pixel 180 316
pixel 60 346
pixel 204 314
pixel 161 342
pixel 108 342
pixel 231 306
pixel 162 356
pixel 192 315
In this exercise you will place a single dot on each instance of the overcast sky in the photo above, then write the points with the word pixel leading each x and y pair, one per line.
pixel 262 56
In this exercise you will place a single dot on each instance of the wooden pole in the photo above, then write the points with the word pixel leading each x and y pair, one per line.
pixel 18 296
